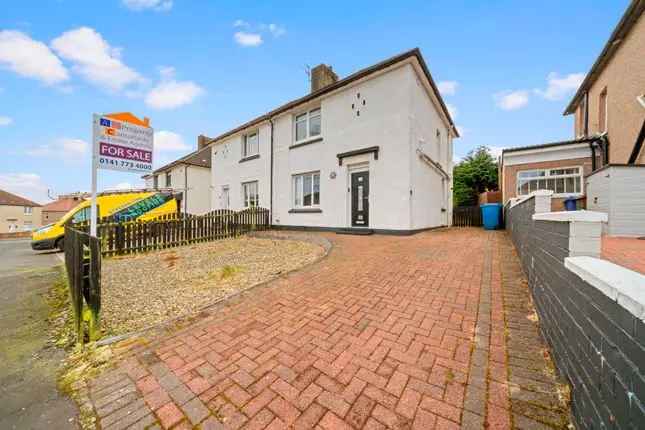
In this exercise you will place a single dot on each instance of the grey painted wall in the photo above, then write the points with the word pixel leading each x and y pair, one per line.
pixel 597 344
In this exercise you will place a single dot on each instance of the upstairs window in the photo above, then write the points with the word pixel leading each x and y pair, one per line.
pixel 155 182
pixel 308 125
pixel 562 181
pixel 250 145
pixel 28 210
pixel 250 195
pixel 306 190
pixel 168 180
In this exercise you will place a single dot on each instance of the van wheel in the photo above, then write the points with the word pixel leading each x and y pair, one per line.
pixel 60 244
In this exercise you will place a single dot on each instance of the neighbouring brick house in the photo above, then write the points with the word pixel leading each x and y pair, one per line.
pixel 558 166
pixel 611 99
pixel 53 211
pixel 610 103
pixel 17 213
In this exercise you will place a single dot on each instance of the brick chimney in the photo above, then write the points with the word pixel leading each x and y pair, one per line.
pixel 202 141
pixel 321 76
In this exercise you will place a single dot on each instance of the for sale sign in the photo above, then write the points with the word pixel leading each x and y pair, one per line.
pixel 122 145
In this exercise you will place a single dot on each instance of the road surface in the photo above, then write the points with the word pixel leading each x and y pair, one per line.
pixel 28 365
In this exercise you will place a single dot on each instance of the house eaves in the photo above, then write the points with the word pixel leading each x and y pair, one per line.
pixel 626 23
pixel 363 73
pixel 550 145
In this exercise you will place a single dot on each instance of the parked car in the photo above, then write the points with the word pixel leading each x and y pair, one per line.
pixel 113 206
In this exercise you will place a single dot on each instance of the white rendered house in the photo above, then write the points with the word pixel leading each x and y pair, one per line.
pixel 370 151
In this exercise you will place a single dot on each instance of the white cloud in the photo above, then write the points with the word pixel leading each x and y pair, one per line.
pixel 559 87
pixel 95 59
pixel 169 141
pixel 275 29
pixel 64 148
pixel 512 100
pixel 452 110
pixel 447 88
pixel 5 120
pixel 28 185
pixel 241 23
pixel 248 39
pixel 170 93
pixel 157 5
pixel 30 58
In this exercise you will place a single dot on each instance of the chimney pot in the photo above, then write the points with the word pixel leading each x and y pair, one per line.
pixel 202 141
pixel 321 76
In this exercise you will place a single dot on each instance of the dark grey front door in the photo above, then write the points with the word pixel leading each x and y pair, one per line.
pixel 360 199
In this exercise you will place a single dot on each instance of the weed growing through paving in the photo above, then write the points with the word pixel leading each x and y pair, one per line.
pixel 229 271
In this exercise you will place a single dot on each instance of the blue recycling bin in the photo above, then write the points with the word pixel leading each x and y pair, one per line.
pixel 491 215
pixel 570 204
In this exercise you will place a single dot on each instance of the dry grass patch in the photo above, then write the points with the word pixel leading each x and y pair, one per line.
pixel 147 289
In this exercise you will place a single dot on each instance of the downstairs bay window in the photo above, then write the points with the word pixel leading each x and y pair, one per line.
pixel 306 190
pixel 565 181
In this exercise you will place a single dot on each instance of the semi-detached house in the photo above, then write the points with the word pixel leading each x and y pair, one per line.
pixel 371 151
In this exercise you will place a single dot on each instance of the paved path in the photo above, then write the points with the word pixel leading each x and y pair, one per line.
pixel 428 331
pixel 628 252
pixel 28 365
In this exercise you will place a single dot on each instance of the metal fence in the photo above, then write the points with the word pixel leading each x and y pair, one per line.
pixel 83 265
pixel 467 216
pixel 119 238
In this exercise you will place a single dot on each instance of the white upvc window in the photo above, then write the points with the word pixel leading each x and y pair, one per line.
pixel 250 195
pixel 306 190
pixel 307 125
pixel 563 181
pixel 28 210
pixel 250 144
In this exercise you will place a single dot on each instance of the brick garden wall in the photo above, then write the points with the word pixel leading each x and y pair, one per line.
pixel 597 344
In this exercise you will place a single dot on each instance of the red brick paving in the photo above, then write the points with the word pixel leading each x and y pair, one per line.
pixel 625 251
pixel 386 332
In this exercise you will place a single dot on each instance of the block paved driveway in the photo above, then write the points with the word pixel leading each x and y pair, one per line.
pixel 429 331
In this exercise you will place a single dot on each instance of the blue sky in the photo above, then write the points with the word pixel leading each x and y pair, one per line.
pixel 507 69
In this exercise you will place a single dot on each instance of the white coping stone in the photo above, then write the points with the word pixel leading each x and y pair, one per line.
pixel 571 216
pixel 620 284
pixel 514 201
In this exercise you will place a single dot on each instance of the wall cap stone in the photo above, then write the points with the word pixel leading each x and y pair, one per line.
pixel 620 284
pixel 571 216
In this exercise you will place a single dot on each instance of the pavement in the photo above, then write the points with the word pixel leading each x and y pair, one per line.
pixel 434 330
pixel 628 252
pixel 29 398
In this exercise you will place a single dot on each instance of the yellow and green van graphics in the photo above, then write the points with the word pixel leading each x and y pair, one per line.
pixel 116 207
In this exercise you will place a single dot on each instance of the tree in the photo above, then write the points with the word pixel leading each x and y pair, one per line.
pixel 473 175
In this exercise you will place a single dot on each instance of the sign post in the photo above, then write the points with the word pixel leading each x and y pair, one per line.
pixel 120 142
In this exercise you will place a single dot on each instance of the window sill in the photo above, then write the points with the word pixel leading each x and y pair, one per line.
pixel 306 211
pixel 249 158
pixel 306 142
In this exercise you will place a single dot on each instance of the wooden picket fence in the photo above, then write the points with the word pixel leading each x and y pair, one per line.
pixel 467 216
pixel 176 230
pixel 83 266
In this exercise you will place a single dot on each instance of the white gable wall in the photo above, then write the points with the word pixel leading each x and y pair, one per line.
pixel 430 193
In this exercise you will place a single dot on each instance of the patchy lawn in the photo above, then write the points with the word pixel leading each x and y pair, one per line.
pixel 146 289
